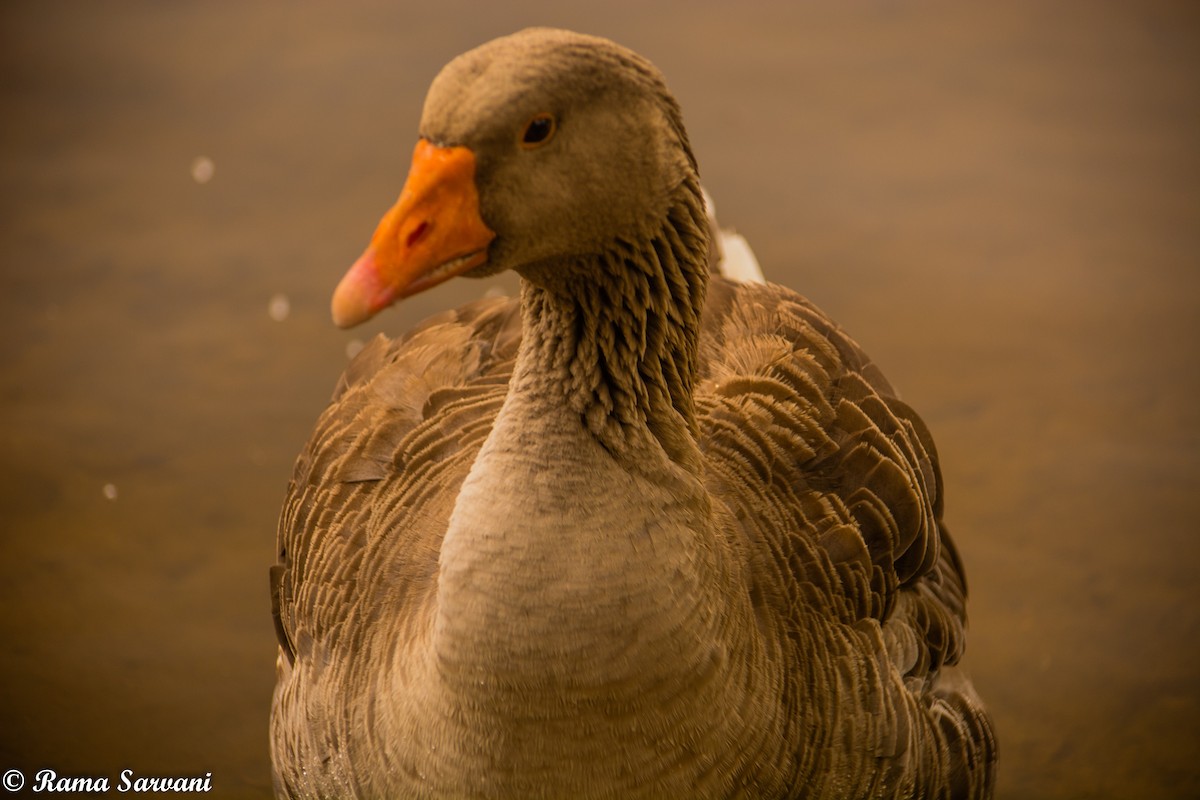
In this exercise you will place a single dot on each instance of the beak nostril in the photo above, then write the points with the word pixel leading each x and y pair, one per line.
pixel 416 234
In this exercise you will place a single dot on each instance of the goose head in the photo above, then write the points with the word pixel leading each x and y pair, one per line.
pixel 535 151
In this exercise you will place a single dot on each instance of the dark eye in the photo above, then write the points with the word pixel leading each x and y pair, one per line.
pixel 538 131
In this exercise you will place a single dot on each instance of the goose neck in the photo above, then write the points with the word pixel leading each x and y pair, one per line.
pixel 614 336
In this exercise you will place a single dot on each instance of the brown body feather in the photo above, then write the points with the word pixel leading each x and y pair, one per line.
pixel 833 483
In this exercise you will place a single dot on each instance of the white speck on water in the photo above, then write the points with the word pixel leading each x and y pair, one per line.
pixel 203 169
pixel 110 491
pixel 354 347
pixel 279 307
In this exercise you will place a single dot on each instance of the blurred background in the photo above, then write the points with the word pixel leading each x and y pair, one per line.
pixel 1001 202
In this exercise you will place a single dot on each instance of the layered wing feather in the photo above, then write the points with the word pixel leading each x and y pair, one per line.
pixel 368 504
pixel 835 487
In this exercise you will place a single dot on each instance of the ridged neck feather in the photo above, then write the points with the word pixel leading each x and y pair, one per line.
pixel 616 332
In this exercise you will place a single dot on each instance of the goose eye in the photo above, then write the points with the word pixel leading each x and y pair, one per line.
pixel 538 131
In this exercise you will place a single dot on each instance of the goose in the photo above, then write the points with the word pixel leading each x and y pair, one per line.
pixel 642 531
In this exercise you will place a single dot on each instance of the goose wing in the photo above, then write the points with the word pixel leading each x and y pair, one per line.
pixel 375 484
pixel 836 495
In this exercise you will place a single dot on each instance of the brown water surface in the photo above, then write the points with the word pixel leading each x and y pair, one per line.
pixel 1000 201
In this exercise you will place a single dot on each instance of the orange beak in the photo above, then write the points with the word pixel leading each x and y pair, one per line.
pixel 433 233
